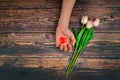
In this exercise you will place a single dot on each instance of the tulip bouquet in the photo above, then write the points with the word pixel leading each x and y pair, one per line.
pixel 82 38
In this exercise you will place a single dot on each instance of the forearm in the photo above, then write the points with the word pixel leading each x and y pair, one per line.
pixel 67 6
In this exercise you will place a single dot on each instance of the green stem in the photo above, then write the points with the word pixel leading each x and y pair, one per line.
pixel 70 66
pixel 75 57
pixel 76 48
pixel 90 35
pixel 80 35
pixel 73 63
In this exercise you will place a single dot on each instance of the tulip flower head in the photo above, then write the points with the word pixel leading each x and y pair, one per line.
pixel 89 24
pixel 84 19
pixel 96 22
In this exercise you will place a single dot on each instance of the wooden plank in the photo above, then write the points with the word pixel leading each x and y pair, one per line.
pixel 58 63
pixel 103 3
pixel 50 37
pixel 102 75
pixel 103 45
pixel 45 74
pixel 42 44
pixel 32 4
pixel 89 52
pixel 40 20
pixel 28 20
pixel 24 4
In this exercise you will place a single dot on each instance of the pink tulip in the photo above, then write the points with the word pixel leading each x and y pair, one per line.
pixel 96 22
pixel 89 24
pixel 84 19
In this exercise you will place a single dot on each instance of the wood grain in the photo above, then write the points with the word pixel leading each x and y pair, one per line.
pixel 62 63
pixel 27 40
pixel 38 20
pixel 43 44
pixel 19 73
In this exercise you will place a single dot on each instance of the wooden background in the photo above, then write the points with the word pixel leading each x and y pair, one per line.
pixel 27 37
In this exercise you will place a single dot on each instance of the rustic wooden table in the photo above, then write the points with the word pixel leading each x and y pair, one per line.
pixel 27 37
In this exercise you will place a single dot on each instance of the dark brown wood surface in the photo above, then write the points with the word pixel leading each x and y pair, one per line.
pixel 27 41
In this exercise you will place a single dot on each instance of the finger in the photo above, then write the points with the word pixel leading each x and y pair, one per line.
pixel 57 44
pixel 69 50
pixel 72 40
pixel 65 48
pixel 69 47
pixel 61 47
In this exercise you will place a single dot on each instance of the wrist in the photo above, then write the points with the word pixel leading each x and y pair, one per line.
pixel 63 24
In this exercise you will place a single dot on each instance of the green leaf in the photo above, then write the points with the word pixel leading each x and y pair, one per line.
pixel 75 32
pixel 90 35
pixel 83 37
pixel 86 36
pixel 70 68
pixel 76 54
pixel 80 35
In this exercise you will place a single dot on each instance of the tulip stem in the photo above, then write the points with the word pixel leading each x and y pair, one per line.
pixel 85 35
pixel 70 66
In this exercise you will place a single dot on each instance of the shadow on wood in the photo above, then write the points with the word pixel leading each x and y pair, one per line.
pixel 49 74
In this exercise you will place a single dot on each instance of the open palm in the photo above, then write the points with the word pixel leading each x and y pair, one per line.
pixel 70 40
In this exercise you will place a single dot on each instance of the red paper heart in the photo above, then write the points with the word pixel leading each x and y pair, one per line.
pixel 62 40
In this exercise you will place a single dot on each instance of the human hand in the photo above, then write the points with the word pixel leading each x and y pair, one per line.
pixel 68 35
